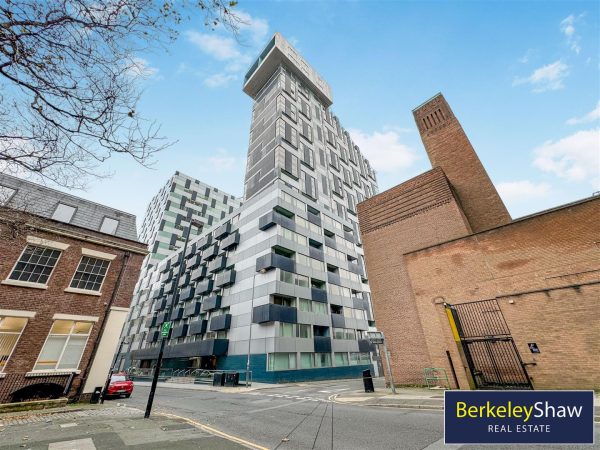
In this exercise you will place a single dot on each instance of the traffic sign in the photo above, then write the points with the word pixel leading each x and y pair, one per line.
pixel 166 327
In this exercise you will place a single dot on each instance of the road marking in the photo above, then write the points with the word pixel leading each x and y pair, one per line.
pixel 77 444
pixel 293 397
pixel 68 425
pixel 439 445
pixel 275 407
pixel 216 432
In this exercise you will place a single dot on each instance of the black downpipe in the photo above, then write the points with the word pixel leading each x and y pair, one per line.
pixel 452 368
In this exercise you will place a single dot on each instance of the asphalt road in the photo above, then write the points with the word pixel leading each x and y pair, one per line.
pixel 300 416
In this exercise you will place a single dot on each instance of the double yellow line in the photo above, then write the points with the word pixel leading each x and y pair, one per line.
pixel 216 432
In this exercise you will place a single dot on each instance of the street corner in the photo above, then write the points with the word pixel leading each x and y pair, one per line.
pixel 110 428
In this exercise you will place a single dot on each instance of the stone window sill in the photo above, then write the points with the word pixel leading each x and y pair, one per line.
pixel 83 291
pixel 25 284
pixel 49 373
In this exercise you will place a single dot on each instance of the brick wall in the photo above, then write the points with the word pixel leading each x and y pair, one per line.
pixel 418 213
pixel 545 272
pixel 54 300
pixel 449 148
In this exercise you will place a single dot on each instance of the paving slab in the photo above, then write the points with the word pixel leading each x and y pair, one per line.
pixel 107 428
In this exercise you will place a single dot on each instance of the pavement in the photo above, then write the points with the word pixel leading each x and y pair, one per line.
pixel 316 415
pixel 207 387
pixel 417 398
pixel 108 427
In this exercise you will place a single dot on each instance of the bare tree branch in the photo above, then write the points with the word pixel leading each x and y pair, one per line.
pixel 69 80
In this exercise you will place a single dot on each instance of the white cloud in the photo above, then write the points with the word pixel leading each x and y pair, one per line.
pixel 575 157
pixel 567 27
pixel 235 54
pixel 222 161
pixel 294 41
pixel 219 47
pixel 255 27
pixel 384 150
pixel 592 116
pixel 219 79
pixel 546 78
pixel 527 56
pixel 522 190
pixel 140 67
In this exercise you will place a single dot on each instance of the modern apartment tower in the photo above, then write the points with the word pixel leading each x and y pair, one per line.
pixel 280 281
pixel 181 198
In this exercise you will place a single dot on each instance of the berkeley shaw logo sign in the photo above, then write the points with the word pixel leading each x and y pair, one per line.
pixel 519 417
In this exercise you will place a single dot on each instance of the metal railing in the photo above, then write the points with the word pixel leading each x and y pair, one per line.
pixel 197 375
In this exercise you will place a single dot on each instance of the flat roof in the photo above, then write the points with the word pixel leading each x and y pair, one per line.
pixel 279 51
pixel 513 222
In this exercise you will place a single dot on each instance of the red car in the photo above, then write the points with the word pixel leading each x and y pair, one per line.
pixel 119 385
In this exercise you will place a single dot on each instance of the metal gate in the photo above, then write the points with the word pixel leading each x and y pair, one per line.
pixel 488 347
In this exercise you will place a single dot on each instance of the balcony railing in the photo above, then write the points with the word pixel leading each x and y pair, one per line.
pixel 217 264
pixel 156 293
pixel 190 250
pixel 364 346
pixel 186 294
pixel 179 331
pixel 209 347
pixel 210 252
pixel 197 327
pixel 322 344
pixel 152 336
pixel 225 278
pixel 198 273
pixel 338 321
pixel 211 302
pixel 318 295
pixel 160 304
pixel 271 312
pixel 222 231
pixel 274 218
pixel 192 309
pixel 204 242
pixel 231 240
pixel 273 260
pixel 161 318
pixel 204 287
pixel 168 288
pixel 177 314
pixel 219 323
pixel 334 278
pixel 194 261
pixel 316 253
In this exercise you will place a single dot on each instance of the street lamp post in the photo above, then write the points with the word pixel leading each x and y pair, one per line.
pixel 164 338
pixel 377 338
pixel 251 320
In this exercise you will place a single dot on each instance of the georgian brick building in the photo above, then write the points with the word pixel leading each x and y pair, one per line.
pixel 67 272
pixel 457 285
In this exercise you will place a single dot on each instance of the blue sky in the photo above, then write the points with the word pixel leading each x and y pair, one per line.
pixel 522 77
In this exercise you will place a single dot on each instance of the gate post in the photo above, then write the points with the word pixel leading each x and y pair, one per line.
pixel 459 346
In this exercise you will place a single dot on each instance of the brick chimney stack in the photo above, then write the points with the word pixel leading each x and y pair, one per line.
pixel 449 148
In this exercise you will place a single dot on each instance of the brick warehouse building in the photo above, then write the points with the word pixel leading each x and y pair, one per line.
pixel 67 272
pixel 457 285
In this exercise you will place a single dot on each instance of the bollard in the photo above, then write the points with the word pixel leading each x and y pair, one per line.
pixel 368 381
